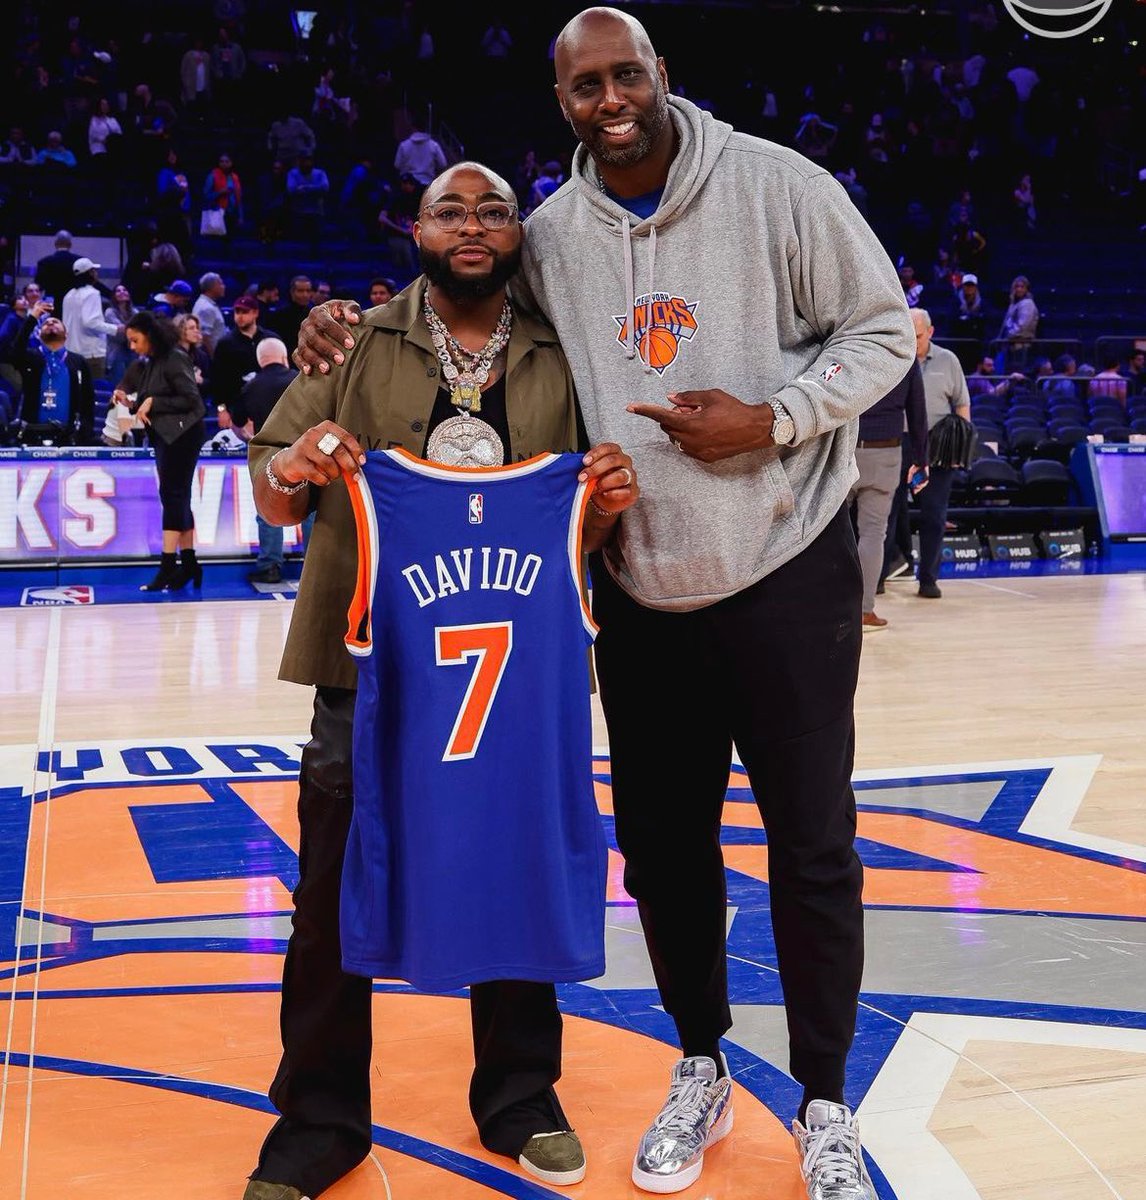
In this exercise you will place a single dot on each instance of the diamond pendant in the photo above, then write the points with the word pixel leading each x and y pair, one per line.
pixel 464 441
pixel 466 394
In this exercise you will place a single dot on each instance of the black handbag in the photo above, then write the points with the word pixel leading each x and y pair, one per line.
pixel 951 442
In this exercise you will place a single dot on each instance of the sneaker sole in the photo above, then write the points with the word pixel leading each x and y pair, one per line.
pixel 874 628
pixel 664 1185
pixel 557 1178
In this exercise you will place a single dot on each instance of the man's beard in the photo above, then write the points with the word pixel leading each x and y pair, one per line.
pixel 648 130
pixel 439 271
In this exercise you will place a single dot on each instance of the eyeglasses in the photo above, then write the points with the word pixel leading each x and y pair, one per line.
pixel 450 216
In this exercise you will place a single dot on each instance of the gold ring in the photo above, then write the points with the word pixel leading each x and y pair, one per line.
pixel 628 476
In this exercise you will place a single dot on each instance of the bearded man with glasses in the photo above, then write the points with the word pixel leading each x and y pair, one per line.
pixel 451 370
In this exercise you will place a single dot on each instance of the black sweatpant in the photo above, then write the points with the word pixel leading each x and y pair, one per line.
pixel 322 1087
pixel 774 670
pixel 175 464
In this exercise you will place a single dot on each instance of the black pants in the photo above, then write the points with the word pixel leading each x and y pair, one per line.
pixel 175 464
pixel 774 670
pixel 932 503
pixel 322 1087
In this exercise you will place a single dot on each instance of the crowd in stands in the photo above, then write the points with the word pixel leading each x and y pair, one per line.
pixel 245 158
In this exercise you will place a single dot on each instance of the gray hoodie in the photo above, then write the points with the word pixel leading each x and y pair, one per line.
pixel 757 275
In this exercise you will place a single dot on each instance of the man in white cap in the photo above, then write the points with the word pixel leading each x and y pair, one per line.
pixel 84 320
pixel 970 316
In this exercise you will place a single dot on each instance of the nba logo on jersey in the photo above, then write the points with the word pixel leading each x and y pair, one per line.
pixel 475 508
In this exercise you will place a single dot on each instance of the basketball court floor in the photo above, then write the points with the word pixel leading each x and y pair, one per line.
pixel 147 854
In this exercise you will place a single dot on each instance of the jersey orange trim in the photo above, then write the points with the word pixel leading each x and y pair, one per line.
pixel 502 470
pixel 358 634
pixel 578 563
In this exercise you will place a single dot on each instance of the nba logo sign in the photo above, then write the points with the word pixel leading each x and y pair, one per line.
pixel 475 508
pixel 55 597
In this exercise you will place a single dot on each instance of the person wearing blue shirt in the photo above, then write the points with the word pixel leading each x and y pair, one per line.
pixel 58 386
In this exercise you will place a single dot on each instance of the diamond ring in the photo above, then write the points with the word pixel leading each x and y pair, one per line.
pixel 328 443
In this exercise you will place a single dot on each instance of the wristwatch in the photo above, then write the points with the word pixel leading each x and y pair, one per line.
pixel 783 427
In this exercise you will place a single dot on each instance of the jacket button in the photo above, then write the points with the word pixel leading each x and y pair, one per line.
pixel 431 372
pixel 416 426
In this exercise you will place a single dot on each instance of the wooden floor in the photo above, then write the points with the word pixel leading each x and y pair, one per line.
pixel 133 1060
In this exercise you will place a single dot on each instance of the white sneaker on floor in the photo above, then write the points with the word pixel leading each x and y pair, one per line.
pixel 696 1115
pixel 830 1157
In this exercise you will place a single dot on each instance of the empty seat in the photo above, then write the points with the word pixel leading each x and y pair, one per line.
pixel 1054 451
pixel 1103 424
pixel 1034 412
pixel 1046 484
pixel 1070 434
pixel 1024 441
pixel 1064 412
pixel 993 481
pixel 1138 425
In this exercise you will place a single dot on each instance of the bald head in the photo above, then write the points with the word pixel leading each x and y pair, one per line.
pixel 452 179
pixel 271 350
pixel 591 23
pixel 613 91
pixel 921 319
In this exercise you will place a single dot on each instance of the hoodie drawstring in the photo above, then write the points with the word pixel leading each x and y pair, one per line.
pixel 649 303
pixel 630 289
pixel 631 350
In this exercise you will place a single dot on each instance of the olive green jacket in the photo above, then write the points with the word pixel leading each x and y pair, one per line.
pixel 384 395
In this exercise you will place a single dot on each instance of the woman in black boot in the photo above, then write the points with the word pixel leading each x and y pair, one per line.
pixel 170 405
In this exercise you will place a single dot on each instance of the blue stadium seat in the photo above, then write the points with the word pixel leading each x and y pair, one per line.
pixel 1046 483
pixel 1069 434
pixel 992 481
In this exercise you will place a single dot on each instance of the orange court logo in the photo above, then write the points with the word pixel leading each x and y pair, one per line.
pixel 661 323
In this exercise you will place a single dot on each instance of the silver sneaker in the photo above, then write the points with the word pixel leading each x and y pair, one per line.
pixel 830 1156
pixel 696 1115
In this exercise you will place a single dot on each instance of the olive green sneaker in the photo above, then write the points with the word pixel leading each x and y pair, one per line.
pixel 258 1190
pixel 555 1158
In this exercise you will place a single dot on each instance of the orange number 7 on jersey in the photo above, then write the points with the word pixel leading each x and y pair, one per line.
pixel 490 645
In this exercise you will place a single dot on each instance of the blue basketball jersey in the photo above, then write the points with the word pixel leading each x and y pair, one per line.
pixel 475 849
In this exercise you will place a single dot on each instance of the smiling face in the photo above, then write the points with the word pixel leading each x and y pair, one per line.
pixel 471 261
pixel 612 88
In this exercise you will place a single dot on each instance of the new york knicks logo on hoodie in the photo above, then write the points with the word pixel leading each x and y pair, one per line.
pixel 660 323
